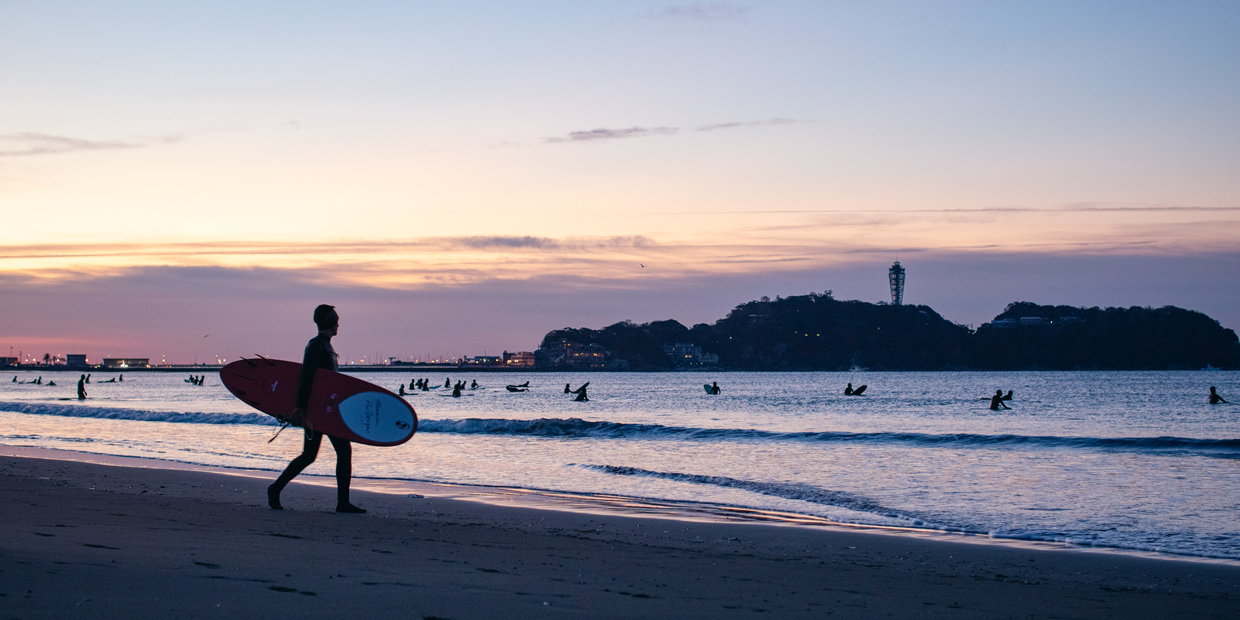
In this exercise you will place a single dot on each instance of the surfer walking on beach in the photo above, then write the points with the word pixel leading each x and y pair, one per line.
pixel 319 354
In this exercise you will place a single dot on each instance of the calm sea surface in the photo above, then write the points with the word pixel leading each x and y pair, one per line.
pixel 1134 460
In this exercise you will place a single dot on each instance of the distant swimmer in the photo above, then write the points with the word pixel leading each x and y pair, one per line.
pixel 456 390
pixel 82 388
pixel 581 393
pixel 714 387
pixel 567 389
pixel 122 379
pixel 51 383
pixel 1008 396
pixel 996 401
pixel 402 389
pixel 88 377
pixel 848 391
pixel 447 382
pixel 473 385
pixel 516 388
pixel 1215 398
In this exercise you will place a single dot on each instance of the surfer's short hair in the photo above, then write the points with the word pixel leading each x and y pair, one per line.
pixel 325 316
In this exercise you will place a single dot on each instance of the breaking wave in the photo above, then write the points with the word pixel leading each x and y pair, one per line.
pixel 114 413
pixel 579 428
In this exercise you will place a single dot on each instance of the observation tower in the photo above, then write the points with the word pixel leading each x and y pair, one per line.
pixel 896 276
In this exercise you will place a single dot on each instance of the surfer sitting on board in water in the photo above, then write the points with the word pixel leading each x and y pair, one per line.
pixel 996 401
pixel 1215 398
pixel 319 354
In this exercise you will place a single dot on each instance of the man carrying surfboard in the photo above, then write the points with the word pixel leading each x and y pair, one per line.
pixel 319 354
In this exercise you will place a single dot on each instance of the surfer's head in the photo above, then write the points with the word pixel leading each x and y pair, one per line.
pixel 325 317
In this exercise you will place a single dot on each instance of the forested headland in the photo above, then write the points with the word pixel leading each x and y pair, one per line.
pixel 818 332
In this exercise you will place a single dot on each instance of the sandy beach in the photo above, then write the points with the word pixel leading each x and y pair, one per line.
pixel 96 539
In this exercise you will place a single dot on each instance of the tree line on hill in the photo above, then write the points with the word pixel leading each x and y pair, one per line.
pixel 818 332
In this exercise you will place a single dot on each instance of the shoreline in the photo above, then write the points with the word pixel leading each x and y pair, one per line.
pixel 86 539
pixel 606 505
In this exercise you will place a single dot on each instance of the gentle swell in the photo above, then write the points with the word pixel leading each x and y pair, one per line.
pixel 785 490
pixel 109 413
pixel 578 428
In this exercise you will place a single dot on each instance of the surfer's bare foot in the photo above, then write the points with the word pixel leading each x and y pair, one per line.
pixel 350 509
pixel 273 498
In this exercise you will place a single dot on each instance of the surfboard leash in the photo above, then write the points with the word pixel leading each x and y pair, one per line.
pixel 283 425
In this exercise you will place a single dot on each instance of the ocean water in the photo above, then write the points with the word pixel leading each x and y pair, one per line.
pixel 1130 460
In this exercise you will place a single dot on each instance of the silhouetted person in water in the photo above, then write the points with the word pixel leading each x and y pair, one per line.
pixel 82 388
pixel 447 382
pixel 1215 398
pixel 1008 396
pixel 456 390
pixel 580 392
pixel 319 355
pixel 567 389
pixel 848 390
pixel 996 401
pixel 123 379
pixel 88 377
pixel 402 389
pixel 714 387
pixel 473 385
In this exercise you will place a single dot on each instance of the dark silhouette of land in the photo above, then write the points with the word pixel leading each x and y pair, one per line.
pixel 818 332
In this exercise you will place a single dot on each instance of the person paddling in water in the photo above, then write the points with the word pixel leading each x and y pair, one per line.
pixel 1215 398
pixel 319 355
pixel 996 401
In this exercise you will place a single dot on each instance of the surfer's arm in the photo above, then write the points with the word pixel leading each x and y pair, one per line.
pixel 310 364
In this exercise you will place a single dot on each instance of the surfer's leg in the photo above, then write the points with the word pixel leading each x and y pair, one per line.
pixel 309 450
pixel 344 474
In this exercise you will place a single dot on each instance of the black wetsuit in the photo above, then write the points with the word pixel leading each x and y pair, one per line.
pixel 319 355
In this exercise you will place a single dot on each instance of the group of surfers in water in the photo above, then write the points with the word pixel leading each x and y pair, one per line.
pixel 424 385
pixel 196 379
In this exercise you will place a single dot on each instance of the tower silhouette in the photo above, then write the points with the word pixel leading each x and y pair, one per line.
pixel 896 276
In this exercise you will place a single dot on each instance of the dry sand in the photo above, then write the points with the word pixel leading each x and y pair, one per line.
pixel 92 540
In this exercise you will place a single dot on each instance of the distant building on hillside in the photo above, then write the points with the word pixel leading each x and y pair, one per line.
pixel 519 359
pixel 686 355
pixel 895 276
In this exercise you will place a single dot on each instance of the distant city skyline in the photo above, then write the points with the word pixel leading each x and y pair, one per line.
pixel 468 177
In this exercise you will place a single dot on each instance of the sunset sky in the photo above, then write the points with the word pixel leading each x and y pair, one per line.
pixel 188 180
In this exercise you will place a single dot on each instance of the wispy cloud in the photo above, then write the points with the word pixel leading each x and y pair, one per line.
pixel 700 11
pixel 595 135
pixel 32 143
pixel 733 125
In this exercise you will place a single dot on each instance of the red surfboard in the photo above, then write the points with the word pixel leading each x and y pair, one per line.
pixel 340 405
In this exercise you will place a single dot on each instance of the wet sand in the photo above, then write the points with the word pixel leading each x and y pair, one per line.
pixel 89 539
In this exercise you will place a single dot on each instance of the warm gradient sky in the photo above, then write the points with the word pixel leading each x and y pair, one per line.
pixel 189 179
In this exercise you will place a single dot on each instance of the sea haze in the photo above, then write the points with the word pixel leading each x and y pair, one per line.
pixel 1133 460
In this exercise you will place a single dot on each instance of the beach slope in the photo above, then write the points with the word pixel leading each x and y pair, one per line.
pixel 85 540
